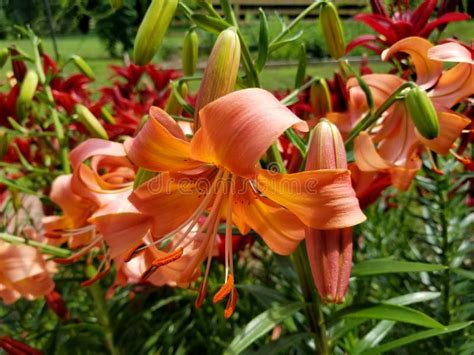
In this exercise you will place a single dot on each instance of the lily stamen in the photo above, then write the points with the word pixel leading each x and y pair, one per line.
pixel 224 290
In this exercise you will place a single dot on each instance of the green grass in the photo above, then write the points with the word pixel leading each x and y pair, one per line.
pixel 90 48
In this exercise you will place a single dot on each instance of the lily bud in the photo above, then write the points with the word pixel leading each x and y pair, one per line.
pixel 189 55
pixel 221 71
pixel 83 67
pixel 56 303
pixel 329 251
pixel 116 4
pixel 320 98
pixel 91 123
pixel 422 112
pixel 27 92
pixel 332 30
pixel 173 107
pixel 4 142
pixel 152 30
pixel 4 54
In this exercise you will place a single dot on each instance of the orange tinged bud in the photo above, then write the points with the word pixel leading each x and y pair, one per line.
pixel 329 251
pixel 221 70
pixel 332 30
pixel 320 98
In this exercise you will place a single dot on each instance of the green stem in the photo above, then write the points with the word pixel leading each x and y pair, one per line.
pixel 313 309
pixel 297 20
pixel 370 119
pixel 445 259
pixel 101 311
pixel 58 128
pixel 45 248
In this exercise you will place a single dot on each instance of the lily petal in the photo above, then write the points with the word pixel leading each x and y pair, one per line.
pixel 366 156
pixel 454 85
pixel 322 199
pixel 167 121
pixel 450 52
pixel 157 149
pixel 451 125
pixel 170 199
pixel 427 71
pixel 280 229
pixel 94 147
pixel 238 128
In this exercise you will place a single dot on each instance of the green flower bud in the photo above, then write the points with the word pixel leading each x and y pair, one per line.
pixel 116 4
pixel 173 107
pixel 4 142
pixel 83 67
pixel 320 98
pixel 189 55
pixel 4 54
pixel 332 30
pixel 27 92
pixel 221 70
pixel 422 112
pixel 91 123
pixel 152 30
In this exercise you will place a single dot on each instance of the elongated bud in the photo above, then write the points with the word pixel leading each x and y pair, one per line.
pixel 83 67
pixel 18 65
pixel 320 98
pixel 27 92
pixel 91 123
pixel 4 142
pixel 221 71
pixel 189 55
pixel 422 112
pixel 152 30
pixel 332 30
pixel 329 251
pixel 4 54
pixel 173 107
pixel 57 305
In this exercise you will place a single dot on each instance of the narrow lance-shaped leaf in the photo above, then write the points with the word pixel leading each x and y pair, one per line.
pixel 388 266
pixel 262 41
pixel 301 71
pixel 260 325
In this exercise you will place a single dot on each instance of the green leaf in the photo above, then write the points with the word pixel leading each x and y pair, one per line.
pixel 389 266
pixel 465 273
pixel 391 312
pixel 260 325
pixel 279 44
pixel 301 72
pixel 417 336
pixel 210 24
pixel 262 41
pixel 281 345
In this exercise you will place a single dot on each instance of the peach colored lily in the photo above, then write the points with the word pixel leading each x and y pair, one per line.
pixel 218 172
pixel 393 145
pixel 23 273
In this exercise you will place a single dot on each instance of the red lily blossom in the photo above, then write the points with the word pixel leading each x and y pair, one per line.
pixel 403 23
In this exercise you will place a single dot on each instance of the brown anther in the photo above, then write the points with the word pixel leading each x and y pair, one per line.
pixel 224 290
pixel 230 307
pixel 96 277
pixel 168 258
pixel 148 272
pixel 134 251
pixel 201 295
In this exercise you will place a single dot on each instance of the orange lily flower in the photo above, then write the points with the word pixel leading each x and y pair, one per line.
pixel 218 172
pixel 393 145
pixel 23 273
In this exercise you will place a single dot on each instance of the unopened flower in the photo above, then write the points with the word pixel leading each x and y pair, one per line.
pixel 152 30
pixel 332 30
pixel 330 250
pixel 221 71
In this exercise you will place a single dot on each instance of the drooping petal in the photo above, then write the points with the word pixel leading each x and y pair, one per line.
pixel 94 147
pixel 454 85
pixel 367 41
pixel 238 128
pixel 446 18
pixel 379 24
pixel 450 52
pixel 156 149
pixel 451 125
pixel 366 156
pixel 167 122
pixel 322 199
pixel 280 229
pixel 171 198
pixel 427 70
